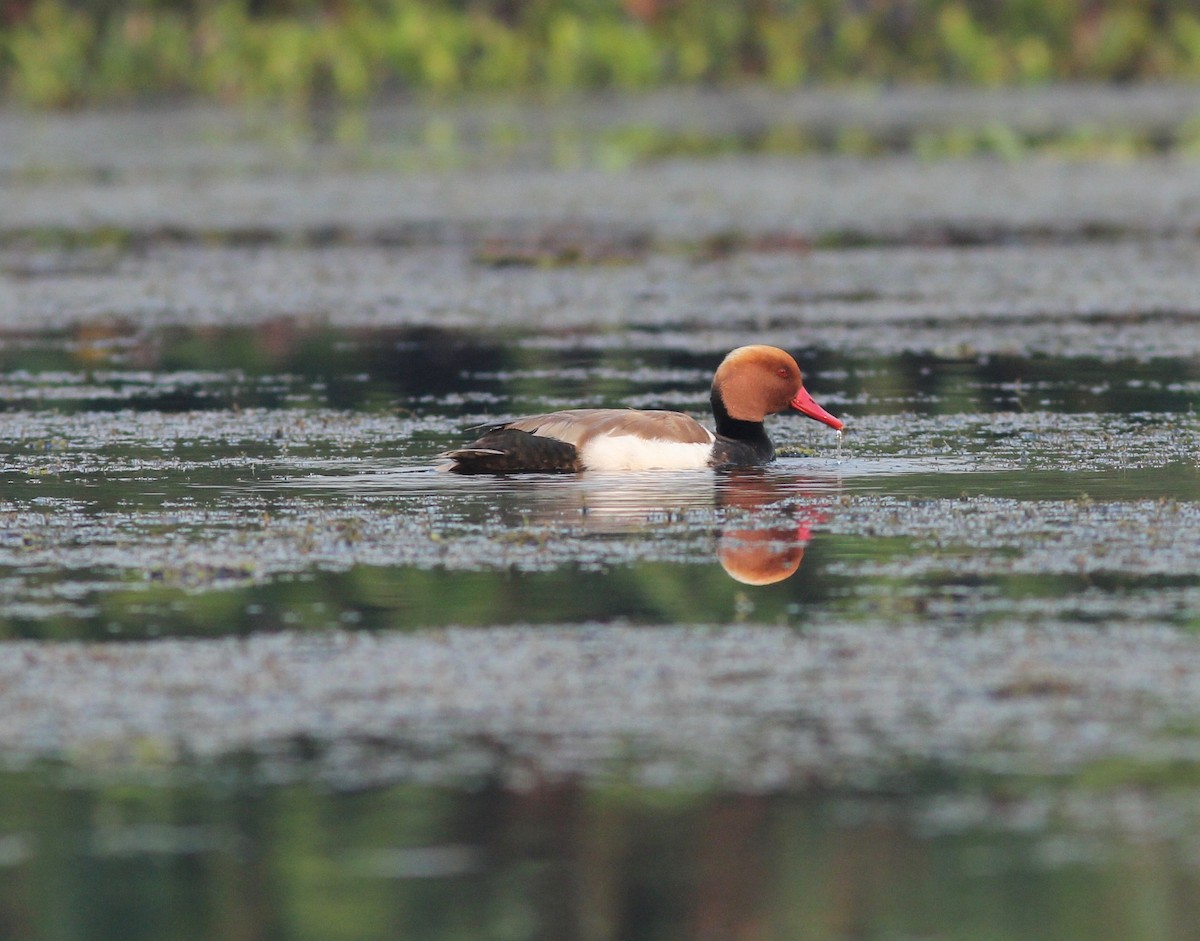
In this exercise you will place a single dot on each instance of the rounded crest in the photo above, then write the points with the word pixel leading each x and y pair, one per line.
pixel 756 381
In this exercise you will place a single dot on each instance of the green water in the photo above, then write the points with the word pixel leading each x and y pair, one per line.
pixel 228 858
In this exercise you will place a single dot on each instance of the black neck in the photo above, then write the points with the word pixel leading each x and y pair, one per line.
pixel 751 433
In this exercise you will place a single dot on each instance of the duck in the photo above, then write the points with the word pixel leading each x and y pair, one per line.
pixel 751 383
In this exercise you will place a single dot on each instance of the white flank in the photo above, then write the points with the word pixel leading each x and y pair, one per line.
pixel 631 453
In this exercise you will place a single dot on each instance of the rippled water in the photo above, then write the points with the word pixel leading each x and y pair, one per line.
pixel 152 475
pixel 206 483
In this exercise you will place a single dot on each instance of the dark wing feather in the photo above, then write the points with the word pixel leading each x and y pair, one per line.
pixel 508 450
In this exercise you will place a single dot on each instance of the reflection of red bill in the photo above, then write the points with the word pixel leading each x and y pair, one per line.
pixel 806 405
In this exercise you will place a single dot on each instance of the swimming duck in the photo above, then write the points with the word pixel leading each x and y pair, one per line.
pixel 751 383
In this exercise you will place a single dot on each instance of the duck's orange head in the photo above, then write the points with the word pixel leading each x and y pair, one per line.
pixel 756 381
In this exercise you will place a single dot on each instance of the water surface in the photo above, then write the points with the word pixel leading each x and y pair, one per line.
pixel 219 483
pixel 151 476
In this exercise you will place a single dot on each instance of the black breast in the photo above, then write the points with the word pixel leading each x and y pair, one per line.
pixel 739 443
pixel 735 452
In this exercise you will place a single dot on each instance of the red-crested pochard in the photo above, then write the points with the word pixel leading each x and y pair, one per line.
pixel 751 383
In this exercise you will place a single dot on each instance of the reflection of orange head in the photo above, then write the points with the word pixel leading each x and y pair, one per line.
pixel 760 556
pixel 772 552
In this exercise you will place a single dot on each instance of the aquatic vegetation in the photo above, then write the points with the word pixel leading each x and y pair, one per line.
pixel 55 52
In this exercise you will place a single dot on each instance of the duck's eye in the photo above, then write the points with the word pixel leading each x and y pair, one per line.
pixel 782 372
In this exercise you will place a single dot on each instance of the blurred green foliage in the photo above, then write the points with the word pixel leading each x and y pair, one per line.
pixel 66 52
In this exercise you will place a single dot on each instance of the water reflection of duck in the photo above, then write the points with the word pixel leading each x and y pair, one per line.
pixel 790 507
pixel 763 520
pixel 751 383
